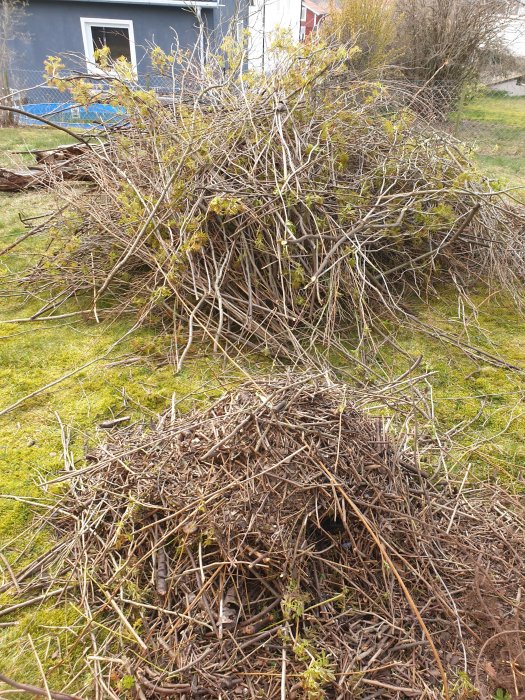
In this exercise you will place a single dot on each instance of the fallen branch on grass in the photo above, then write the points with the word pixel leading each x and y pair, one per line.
pixel 35 690
pixel 48 122
pixel 16 179
pixel 68 374
pixel 64 162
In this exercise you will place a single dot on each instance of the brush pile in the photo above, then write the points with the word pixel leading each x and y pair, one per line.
pixel 273 211
pixel 280 544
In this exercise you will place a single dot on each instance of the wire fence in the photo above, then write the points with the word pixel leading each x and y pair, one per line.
pixel 434 103
pixel 31 92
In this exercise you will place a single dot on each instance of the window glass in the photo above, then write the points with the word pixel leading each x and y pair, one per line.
pixel 115 38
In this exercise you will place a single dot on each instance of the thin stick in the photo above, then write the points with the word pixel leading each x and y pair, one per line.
pixel 32 601
pixel 283 674
pixel 42 389
pixel 125 622
pixel 40 667
pixel 35 690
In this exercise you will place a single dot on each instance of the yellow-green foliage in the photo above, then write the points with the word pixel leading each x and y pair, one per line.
pixel 463 688
pixel 226 206
pixel 161 61
pixel 293 603
pixel 317 676
pixel 368 23
pixel 319 671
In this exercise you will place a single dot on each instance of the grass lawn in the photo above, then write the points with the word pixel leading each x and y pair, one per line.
pixel 134 380
pixel 496 127
pixel 25 139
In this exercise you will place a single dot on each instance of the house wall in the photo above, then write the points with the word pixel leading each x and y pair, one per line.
pixel 510 87
pixel 265 17
pixel 52 27
pixel 310 22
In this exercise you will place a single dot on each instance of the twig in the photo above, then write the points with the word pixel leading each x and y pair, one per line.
pixel 35 690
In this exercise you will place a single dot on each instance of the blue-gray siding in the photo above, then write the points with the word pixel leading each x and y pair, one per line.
pixel 52 27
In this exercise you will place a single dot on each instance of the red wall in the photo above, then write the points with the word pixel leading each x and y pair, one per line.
pixel 312 21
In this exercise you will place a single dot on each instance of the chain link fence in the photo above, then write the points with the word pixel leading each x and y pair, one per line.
pixel 30 92
pixel 434 103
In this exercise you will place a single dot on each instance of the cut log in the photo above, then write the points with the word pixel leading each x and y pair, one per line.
pixel 57 153
pixel 60 154
pixel 14 180
pixel 64 162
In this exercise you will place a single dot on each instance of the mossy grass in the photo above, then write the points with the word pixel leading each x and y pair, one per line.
pixel 31 356
pixel 30 438
pixel 486 397
pixel 31 446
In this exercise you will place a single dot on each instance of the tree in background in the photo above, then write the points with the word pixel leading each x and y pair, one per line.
pixel 449 40
pixel 432 42
pixel 501 62
pixel 11 16
pixel 368 23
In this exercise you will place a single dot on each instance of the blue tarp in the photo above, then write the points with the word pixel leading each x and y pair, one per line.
pixel 72 115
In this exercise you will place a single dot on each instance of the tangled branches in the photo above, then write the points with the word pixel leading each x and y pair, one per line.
pixel 280 544
pixel 274 211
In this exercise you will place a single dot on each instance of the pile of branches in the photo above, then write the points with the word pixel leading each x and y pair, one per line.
pixel 272 211
pixel 281 544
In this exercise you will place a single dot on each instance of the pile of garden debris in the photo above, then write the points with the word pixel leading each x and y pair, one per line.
pixel 61 163
pixel 282 213
pixel 281 545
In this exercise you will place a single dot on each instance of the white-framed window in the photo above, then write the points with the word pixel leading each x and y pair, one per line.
pixel 303 12
pixel 116 34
